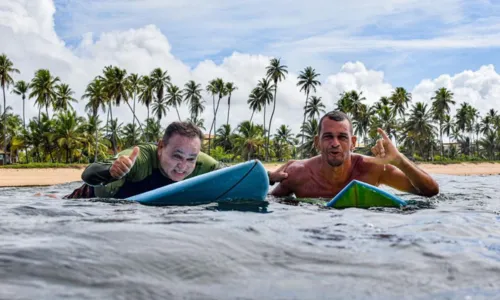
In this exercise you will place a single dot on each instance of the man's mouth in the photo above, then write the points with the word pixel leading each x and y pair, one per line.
pixel 178 172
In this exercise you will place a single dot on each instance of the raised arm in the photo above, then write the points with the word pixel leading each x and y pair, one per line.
pixel 400 173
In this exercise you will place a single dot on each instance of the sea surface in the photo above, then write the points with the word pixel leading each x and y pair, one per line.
pixel 446 247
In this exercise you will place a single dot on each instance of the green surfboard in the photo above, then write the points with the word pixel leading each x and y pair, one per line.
pixel 363 195
pixel 360 195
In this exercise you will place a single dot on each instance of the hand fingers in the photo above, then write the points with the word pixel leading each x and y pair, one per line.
pixel 375 151
pixel 380 148
pixel 382 133
pixel 134 154
pixel 121 167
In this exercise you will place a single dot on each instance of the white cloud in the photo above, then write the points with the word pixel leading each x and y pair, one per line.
pixel 479 88
pixel 32 44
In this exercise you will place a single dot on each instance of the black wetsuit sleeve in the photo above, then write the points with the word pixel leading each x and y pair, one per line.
pixel 97 174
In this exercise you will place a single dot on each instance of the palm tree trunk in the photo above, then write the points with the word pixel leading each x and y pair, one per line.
pixel 304 121
pixel 133 120
pixel 228 108
pixel 272 114
pixel 4 117
pixel 112 133
pixel 179 116
pixel 24 119
pixel 252 116
pixel 96 137
pixel 213 123
pixel 265 145
pixel 441 138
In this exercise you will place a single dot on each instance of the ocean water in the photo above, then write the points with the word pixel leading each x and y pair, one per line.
pixel 446 247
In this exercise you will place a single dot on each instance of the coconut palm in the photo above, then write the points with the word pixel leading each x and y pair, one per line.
pixel 64 97
pixel 43 88
pixel 275 72
pixel 174 98
pixel 400 99
pixel 315 107
pixel 265 90
pixel 217 87
pixel 117 88
pixel 309 131
pixel 146 92
pixel 192 96
pixel 160 107
pixel 443 98
pixel 230 88
pixel 160 81
pixel 21 88
pixel 419 126
pixel 307 82
pixel 249 139
pixel 254 102
pixel 98 98
pixel 6 71
pixel 134 83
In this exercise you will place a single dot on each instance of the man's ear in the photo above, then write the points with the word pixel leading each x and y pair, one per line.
pixel 160 146
pixel 353 142
pixel 316 142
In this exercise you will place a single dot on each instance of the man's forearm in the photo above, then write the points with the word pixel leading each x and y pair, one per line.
pixel 97 174
pixel 422 181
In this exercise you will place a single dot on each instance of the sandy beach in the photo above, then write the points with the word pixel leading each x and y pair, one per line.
pixel 44 177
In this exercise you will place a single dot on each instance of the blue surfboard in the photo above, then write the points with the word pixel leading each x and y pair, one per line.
pixel 363 195
pixel 246 181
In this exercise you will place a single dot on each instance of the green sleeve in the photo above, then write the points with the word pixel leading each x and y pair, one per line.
pixel 144 164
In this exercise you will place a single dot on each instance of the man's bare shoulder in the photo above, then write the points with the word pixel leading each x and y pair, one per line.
pixel 300 169
pixel 365 163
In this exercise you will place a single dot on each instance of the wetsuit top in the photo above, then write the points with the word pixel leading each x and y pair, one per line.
pixel 144 176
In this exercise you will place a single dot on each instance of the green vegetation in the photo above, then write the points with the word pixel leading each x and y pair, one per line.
pixel 58 136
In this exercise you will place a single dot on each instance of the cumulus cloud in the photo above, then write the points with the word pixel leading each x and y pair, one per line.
pixel 32 43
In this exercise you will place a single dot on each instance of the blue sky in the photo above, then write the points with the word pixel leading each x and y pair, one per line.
pixel 408 40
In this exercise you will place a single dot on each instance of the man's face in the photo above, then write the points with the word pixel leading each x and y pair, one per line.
pixel 178 157
pixel 335 141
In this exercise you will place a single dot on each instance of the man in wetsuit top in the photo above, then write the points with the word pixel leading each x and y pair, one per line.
pixel 146 167
pixel 327 174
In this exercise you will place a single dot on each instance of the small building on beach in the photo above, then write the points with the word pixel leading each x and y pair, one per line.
pixel 5 157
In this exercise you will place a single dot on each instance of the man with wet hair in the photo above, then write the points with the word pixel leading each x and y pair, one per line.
pixel 336 166
pixel 146 167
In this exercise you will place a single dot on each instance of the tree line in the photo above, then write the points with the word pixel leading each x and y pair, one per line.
pixel 59 134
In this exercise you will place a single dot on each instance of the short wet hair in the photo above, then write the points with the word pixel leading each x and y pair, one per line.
pixel 335 115
pixel 186 129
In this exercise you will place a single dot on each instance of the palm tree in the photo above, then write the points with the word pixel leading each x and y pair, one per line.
pixel 275 72
pixel 399 100
pixel 64 97
pixel 215 87
pixel 98 97
pixel 307 81
pixel 160 81
pixel 230 88
pixel 265 93
pixel 315 107
pixel 134 82
pixel 21 88
pixel 249 139
pixel 192 96
pixel 160 107
pixel 68 132
pixel 224 137
pixel 443 98
pixel 309 131
pixel 43 88
pixel 419 127
pixel 254 102
pixel 146 92
pixel 174 98
pixel 117 88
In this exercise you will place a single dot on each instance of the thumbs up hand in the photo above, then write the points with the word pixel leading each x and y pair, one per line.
pixel 123 164
pixel 384 150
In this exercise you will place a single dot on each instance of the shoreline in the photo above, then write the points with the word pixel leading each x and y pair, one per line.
pixel 53 176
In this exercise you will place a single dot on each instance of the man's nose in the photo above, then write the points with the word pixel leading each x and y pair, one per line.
pixel 335 142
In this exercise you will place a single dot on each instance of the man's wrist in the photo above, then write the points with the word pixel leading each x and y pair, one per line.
pixel 271 182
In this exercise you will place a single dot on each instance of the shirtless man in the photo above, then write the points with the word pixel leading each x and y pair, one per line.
pixel 325 175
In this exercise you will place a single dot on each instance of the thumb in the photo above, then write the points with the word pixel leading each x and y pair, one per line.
pixel 382 133
pixel 134 154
